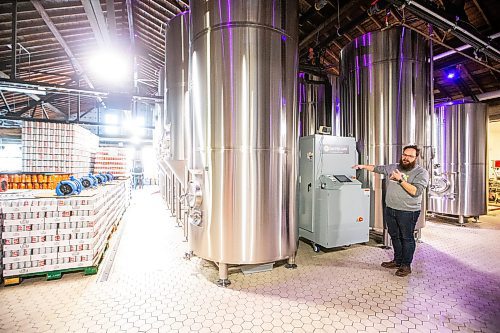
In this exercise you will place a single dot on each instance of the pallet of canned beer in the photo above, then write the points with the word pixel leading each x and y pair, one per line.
pixel 43 234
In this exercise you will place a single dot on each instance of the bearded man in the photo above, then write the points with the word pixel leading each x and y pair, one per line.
pixel 406 183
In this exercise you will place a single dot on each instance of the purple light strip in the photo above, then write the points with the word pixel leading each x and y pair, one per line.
pixel 398 98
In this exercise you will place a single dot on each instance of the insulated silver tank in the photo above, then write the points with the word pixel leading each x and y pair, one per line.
pixel 243 101
pixel 318 101
pixel 385 102
pixel 460 163
pixel 177 70
pixel 160 107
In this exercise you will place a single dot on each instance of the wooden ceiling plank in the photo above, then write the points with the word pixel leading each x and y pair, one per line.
pixel 162 17
pixel 96 19
pixel 150 16
pixel 60 39
pixel 467 74
pixel 480 9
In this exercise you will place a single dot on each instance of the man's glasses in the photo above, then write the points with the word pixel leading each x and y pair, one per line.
pixel 405 155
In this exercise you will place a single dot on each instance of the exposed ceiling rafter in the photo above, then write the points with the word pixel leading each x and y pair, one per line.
pixel 35 97
pixel 74 61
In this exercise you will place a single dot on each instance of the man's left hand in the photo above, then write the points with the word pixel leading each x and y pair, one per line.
pixel 396 175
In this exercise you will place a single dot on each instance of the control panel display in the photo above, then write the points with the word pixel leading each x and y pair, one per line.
pixel 342 178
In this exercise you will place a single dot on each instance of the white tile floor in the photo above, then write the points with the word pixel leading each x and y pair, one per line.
pixel 455 286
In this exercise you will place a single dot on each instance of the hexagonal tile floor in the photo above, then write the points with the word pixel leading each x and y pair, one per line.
pixel 150 287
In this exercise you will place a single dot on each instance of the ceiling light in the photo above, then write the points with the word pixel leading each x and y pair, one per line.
pixel 111 66
pixel 319 4
pixel 111 119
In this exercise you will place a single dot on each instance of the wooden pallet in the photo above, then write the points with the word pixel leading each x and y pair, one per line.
pixel 57 274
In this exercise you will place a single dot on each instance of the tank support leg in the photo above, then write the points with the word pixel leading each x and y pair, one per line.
pixel 291 263
pixel 461 220
pixel 223 280
pixel 188 255
pixel 418 235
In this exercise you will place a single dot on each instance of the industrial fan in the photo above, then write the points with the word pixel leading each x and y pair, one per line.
pixel 88 181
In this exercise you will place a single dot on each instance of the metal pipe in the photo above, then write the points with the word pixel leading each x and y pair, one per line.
pixel 449 47
pixel 431 16
pixel 64 90
pixel 79 106
pixel 57 121
pixel 13 41
pixel 489 95
pixel 461 48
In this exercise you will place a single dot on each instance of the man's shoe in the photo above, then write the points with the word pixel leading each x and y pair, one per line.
pixel 403 271
pixel 390 264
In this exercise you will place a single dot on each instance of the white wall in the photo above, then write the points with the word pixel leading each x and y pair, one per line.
pixel 493 143
pixel 11 157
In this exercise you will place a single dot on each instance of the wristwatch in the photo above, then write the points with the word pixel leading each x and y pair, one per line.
pixel 400 181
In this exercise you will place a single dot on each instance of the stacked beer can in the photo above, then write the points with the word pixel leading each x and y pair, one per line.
pixel 51 234
pixel 51 147
pixel 112 160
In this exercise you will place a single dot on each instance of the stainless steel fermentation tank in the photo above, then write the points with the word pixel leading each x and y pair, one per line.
pixel 244 124
pixel 318 103
pixel 385 102
pixel 159 137
pixel 460 164
pixel 177 71
pixel 177 113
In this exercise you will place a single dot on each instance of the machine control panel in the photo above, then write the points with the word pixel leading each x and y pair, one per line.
pixel 331 182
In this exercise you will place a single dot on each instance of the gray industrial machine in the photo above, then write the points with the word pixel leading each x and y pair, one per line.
pixel 334 209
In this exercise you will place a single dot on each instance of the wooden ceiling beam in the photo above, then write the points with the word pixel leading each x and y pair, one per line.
pixel 154 29
pixel 162 17
pixel 480 9
pixel 151 37
pixel 169 12
pixel 11 133
pixel 160 46
pixel 467 74
pixel 76 64
pixel 328 22
pixel 441 89
pixel 97 22
pixel 150 16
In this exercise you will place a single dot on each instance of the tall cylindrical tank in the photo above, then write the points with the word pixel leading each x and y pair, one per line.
pixel 177 70
pixel 243 101
pixel 318 98
pixel 336 111
pixel 385 101
pixel 160 107
pixel 460 163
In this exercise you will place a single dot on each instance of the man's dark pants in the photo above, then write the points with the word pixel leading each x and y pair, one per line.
pixel 401 226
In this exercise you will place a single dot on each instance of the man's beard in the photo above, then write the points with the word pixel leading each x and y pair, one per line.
pixel 408 166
